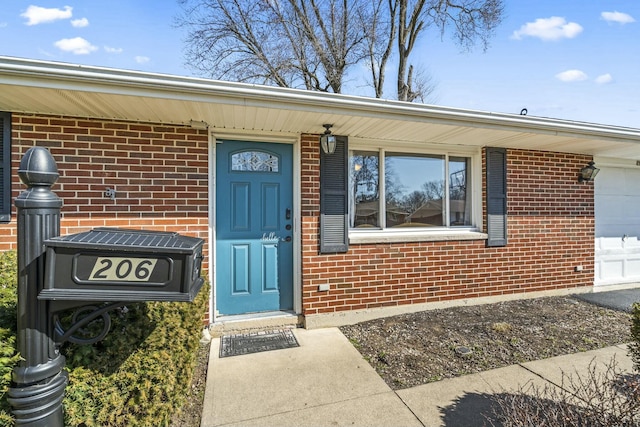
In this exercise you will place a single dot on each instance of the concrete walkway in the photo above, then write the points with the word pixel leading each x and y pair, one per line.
pixel 326 382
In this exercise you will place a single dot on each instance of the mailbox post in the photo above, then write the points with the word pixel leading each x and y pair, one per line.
pixel 39 379
pixel 93 272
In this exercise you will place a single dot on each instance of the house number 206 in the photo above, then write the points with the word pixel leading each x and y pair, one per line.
pixel 116 269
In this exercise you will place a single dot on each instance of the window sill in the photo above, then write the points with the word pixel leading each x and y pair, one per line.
pixel 379 236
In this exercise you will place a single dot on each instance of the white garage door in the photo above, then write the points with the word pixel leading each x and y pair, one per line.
pixel 617 210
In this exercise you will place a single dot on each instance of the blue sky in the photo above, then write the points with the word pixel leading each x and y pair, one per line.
pixel 566 59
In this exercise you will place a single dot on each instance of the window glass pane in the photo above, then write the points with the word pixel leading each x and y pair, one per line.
pixel 414 190
pixel 459 197
pixel 254 161
pixel 364 194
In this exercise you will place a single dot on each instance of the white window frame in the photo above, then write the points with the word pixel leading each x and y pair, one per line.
pixel 410 234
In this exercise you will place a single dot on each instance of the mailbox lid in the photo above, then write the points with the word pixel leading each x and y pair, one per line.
pixel 106 238
pixel 114 264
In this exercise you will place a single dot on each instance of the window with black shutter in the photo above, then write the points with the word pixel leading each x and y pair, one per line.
pixel 496 196
pixel 334 199
pixel 5 167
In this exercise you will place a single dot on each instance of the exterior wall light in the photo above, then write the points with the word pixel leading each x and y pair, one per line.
pixel 588 173
pixel 327 140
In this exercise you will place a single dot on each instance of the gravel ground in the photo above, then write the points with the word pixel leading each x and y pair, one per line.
pixel 413 349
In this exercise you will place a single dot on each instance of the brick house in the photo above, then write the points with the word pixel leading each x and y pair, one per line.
pixel 418 207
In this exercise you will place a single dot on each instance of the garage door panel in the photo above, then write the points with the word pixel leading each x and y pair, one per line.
pixel 609 179
pixel 632 267
pixel 609 208
pixel 606 245
pixel 614 271
pixel 611 270
pixel 617 226
pixel 619 230
pixel 616 210
pixel 630 202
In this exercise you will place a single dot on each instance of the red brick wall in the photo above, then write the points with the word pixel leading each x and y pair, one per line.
pixel 160 176
pixel 550 231
pixel 159 173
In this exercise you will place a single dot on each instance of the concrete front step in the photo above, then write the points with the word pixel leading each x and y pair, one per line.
pixel 254 323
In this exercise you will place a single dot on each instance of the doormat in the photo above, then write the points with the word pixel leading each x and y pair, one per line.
pixel 235 345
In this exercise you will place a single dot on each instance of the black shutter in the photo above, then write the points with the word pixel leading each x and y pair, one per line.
pixel 5 167
pixel 334 199
pixel 496 196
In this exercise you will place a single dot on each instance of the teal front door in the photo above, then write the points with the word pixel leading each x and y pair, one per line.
pixel 254 227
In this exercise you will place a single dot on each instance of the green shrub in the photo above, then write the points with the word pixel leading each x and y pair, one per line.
pixel 138 375
pixel 634 345
pixel 8 356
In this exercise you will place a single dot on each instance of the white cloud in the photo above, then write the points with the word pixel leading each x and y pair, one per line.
pixel 109 49
pixel 40 15
pixel 604 78
pixel 572 76
pixel 142 59
pixel 77 46
pixel 619 17
pixel 553 28
pixel 80 23
pixel 3 24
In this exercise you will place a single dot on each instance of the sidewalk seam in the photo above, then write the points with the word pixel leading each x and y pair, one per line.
pixel 560 386
pixel 540 376
pixel 409 408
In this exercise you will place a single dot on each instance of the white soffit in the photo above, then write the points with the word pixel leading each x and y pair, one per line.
pixel 40 87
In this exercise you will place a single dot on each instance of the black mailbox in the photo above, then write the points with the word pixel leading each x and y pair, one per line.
pixel 112 264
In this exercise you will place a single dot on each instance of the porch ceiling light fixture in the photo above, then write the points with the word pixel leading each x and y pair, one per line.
pixel 327 140
pixel 588 173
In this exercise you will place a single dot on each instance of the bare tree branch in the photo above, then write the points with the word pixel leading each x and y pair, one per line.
pixel 472 20
pixel 290 43
pixel 379 27
pixel 314 43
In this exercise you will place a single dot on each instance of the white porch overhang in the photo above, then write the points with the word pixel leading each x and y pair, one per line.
pixel 40 87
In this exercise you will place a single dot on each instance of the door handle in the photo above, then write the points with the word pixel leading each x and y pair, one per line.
pixel 287 214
